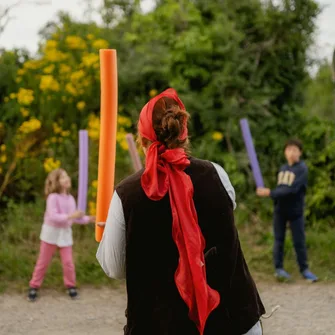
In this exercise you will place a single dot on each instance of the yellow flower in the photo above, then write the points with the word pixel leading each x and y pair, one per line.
pixel 21 72
pixel 77 75
pixel 18 80
pixel 153 93
pixel 64 98
pixel 65 133
pixel 13 95
pixel 6 99
pixel 54 55
pixel 93 127
pixel 100 44
pixel 32 64
pixel 46 142
pixel 1 170
pixel 71 89
pixel 24 112
pixel 49 69
pixel 56 128
pixel 3 159
pixel 90 36
pixel 30 126
pixel 90 59
pixel 51 164
pixel 75 42
pixel 81 105
pixel 48 82
pixel 217 136
pixel 95 184
pixel 3 147
pixel 25 96
pixel 51 44
pixel 60 140
pixel 123 121
pixel 124 144
pixel 53 139
pixel 63 68
pixel 92 207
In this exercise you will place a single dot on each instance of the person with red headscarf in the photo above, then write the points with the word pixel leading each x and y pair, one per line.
pixel 170 233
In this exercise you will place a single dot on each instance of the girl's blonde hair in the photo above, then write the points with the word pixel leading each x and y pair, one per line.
pixel 52 184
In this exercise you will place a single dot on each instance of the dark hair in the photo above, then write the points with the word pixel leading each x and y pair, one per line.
pixel 293 142
pixel 169 122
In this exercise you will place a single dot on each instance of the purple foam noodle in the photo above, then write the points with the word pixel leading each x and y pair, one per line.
pixel 251 153
pixel 135 157
pixel 83 170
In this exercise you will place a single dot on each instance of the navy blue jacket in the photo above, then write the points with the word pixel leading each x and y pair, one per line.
pixel 289 195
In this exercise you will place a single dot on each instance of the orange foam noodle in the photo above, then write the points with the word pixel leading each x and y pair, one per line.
pixel 108 128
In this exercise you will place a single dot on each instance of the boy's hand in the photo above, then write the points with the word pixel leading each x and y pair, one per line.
pixel 101 224
pixel 263 191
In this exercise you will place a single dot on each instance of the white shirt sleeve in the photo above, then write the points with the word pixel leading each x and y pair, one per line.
pixel 111 253
pixel 226 182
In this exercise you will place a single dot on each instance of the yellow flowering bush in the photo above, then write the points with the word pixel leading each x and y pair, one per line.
pixel 55 95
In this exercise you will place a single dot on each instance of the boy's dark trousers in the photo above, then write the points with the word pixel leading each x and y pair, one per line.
pixel 297 225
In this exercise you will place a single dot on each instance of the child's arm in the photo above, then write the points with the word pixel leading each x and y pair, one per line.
pixel 85 219
pixel 61 220
pixel 282 191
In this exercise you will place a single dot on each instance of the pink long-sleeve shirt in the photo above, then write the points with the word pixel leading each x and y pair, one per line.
pixel 56 227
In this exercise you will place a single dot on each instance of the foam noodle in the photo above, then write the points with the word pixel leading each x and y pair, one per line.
pixel 83 170
pixel 135 157
pixel 251 153
pixel 107 144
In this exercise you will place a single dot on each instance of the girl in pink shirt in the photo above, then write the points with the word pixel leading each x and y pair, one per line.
pixel 56 232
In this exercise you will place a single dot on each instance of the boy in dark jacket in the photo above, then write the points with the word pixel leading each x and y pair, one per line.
pixel 289 196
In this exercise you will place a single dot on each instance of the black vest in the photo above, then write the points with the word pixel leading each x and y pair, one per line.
pixel 154 304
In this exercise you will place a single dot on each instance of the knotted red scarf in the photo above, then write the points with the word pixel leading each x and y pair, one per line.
pixel 164 172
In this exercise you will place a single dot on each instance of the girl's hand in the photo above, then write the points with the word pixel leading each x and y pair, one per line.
pixel 77 215
pixel 92 219
pixel 101 224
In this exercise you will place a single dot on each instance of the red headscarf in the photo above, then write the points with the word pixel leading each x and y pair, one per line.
pixel 164 172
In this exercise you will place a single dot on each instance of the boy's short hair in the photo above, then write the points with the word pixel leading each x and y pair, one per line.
pixel 295 142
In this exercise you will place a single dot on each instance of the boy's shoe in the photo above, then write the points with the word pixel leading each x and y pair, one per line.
pixel 72 291
pixel 282 275
pixel 32 294
pixel 308 275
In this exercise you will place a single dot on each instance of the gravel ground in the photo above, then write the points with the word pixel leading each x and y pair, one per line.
pixel 305 309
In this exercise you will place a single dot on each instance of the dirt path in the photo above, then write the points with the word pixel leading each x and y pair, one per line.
pixel 305 310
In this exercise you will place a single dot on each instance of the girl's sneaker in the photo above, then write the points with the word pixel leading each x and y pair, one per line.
pixel 32 294
pixel 309 276
pixel 72 291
